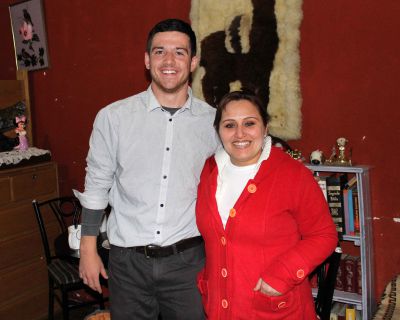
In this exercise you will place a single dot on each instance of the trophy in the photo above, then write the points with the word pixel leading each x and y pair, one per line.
pixel 339 159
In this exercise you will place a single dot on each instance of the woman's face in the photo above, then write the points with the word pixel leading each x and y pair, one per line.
pixel 242 132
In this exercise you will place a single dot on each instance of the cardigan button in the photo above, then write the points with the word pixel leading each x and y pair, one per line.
pixel 282 305
pixel 252 188
pixel 223 241
pixel 232 213
pixel 300 274
pixel 224 303
pixel 224 272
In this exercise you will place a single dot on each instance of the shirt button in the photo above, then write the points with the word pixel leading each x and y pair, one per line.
pixel 282 305
pixel 224 272
pixel 167 148
pixel 252 188
pixel 170 120
pixel 300 274
pixel 224 303
pixel 232 213
pixel 223 241
pixel 161 205
pixel 165 177
pixel 158 232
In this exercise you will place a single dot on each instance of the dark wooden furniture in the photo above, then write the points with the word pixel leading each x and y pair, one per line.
pixel 63 274
pixel 23 280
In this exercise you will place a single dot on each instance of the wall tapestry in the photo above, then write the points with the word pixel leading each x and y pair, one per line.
pixel 253 44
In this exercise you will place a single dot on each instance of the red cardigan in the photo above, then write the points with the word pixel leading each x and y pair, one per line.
pixel 280 229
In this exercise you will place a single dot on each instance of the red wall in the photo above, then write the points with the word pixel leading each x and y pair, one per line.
pixel 349 76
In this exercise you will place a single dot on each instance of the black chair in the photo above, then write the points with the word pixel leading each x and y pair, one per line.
pixel 326 279
pixel 63 274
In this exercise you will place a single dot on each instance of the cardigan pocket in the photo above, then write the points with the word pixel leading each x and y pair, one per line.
pixel 276 307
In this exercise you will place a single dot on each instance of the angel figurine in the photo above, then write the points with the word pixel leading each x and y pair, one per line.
pixel 21 133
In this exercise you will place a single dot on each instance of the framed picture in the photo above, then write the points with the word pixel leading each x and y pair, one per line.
pixel 28 28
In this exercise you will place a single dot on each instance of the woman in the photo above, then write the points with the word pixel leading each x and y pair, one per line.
pixel 264 219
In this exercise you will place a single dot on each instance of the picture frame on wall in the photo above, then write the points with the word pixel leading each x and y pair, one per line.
pixel 28 28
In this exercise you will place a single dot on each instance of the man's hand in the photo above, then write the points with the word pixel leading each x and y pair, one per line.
pixel 265 288
pixel 90 264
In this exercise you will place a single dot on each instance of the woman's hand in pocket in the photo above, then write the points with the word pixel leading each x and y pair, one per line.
pixel 265 288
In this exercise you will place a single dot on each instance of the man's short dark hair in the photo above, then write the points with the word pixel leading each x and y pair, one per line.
pixel 173 25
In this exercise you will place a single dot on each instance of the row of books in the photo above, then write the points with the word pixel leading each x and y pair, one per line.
pixel 348 277
pixel 341 194
pixel 341 311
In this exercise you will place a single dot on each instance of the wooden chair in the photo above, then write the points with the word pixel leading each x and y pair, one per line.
pixel 63 275
pixel 326 278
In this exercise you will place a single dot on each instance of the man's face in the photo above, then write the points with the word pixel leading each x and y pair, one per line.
pixel 170 61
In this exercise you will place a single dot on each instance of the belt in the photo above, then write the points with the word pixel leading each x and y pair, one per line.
pixel 154 251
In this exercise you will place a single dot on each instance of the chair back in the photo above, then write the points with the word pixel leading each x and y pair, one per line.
pixel 66 210
pixel 326 279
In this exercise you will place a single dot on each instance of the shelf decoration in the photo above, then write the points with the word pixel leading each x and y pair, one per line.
pixel 340 159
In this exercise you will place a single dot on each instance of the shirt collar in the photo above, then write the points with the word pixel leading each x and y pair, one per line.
pixel 152 102
pixel 222 157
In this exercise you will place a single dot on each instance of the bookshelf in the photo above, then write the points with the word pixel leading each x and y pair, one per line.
pixel 366 300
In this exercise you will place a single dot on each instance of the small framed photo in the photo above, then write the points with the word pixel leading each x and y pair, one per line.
pixel 28 28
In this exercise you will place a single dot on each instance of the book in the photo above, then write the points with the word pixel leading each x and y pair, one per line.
pixel 350 313
pixel 322 184
pixel 346 211
pixel 356 209
pixel 350 212
pixel 334 190
pixel 351 182
pixel 339 283
pixel 359 276
pixel 350 274
pixel 338 311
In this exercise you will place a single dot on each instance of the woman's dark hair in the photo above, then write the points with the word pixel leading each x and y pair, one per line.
pixel 173 25
pixel 243 94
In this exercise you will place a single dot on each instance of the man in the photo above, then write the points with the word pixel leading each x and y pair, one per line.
pixel 145 158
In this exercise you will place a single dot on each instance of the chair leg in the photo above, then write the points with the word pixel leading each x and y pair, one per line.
pixel 65 309
pixel 101 301
pixel 51 300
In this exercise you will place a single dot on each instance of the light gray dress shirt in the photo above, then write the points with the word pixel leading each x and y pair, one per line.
pixel 146 164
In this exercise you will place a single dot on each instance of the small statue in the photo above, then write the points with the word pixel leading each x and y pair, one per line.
pixel 339 159
pixel 317 157
pixel 296 155
pixel 21 133
pixel 341 142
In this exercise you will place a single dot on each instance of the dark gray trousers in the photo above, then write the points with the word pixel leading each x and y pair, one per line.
pixel 144 288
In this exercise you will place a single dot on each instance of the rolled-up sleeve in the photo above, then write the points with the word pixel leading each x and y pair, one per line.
pixel 101 162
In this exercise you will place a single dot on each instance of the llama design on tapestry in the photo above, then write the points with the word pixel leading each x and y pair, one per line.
pixel 231 70
pixel 252 44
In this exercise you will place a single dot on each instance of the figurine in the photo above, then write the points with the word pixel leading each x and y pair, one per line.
pixel 341 142
pixel 317 157
pixel 296 155
pixel 21 133
pixel 339 159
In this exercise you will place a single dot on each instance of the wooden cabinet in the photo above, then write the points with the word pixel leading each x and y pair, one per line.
pixel 23 275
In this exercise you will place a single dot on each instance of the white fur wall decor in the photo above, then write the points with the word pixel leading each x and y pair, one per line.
pixel 251 43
